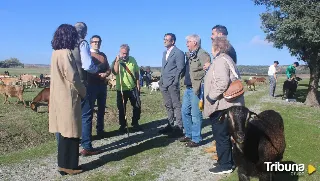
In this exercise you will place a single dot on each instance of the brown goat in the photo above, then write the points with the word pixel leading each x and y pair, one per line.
pixel 258 139
pixel 43 96
pixel 12 91
pixel 251 83
pixel 260 79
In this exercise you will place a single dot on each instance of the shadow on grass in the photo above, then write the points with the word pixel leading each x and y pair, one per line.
pixel 150 139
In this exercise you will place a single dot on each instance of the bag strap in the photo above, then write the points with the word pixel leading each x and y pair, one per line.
pixel 232 68
pixel 128 70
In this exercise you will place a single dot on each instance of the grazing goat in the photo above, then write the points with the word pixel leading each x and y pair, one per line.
pixel 289 88
pixel 12 91
pixel 258 139
pixel 154 86
pixel 43 96
pixel 251 83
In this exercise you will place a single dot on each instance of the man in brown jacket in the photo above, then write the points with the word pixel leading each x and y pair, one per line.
pixel 191 114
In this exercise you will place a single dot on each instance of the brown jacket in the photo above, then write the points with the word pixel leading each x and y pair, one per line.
pixel 217 81
pixel 196 68
pixel 66 91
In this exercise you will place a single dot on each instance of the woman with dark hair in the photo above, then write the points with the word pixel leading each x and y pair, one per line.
pixel 66 91
pixel 221 73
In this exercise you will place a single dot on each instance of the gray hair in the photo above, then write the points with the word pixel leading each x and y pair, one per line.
pixel 125 46
pixel 81 28
pixel 194 37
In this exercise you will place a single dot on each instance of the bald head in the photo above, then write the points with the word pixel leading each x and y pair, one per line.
pixel 81 28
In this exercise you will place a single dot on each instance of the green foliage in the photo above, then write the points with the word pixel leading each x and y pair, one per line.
pixel 294 24
pixel 10 63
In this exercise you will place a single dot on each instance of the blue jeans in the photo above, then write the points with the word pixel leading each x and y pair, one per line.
pixel 57 134
pixel 191 115
pixel 223 143
pixel 141 81
pixel 94 92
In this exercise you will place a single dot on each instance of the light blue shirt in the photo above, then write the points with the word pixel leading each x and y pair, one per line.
pixel 86 60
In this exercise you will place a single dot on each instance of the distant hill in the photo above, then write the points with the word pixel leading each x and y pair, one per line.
pixel 259 69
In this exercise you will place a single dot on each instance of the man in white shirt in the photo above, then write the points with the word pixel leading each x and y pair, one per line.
pixel 272 77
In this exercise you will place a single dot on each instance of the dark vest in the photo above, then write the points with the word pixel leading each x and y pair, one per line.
pixel 98 59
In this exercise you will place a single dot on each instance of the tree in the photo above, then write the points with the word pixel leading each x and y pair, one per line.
pixel 296 25
pixel 11 62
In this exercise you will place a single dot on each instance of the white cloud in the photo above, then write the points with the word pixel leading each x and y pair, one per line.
pixel 257 40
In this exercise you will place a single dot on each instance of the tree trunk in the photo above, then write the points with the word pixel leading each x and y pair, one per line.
pixel 312 98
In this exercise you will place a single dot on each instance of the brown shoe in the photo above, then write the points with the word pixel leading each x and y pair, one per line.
pixel 69 171
pixel 89 152
pixel 214 157
pixel 184 139
pixel 191 144
pixel 212 149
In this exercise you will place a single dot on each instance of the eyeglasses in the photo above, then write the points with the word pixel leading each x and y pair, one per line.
pixel 95 41
pixel 166 40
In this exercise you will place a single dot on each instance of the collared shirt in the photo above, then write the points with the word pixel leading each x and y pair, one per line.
pixel 168 52
pixel 127 82
pixel 272 70
pixel 86 60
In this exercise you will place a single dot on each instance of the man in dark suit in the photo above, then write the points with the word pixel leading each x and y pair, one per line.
pixel 173 63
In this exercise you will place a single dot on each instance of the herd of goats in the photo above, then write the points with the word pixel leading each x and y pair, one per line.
pixel 14 86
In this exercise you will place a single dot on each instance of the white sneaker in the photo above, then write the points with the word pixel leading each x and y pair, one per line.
pixel 218 170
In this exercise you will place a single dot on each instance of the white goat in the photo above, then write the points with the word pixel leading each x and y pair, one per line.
pixel 154 86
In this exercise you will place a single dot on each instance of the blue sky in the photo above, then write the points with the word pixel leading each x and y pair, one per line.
pixel 27 27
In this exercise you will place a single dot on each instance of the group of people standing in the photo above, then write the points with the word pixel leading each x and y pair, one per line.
pixel 78 81
pixel 197 68
pixel 78 74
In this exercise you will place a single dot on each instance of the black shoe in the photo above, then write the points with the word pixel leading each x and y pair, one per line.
pixel 218 170
pixel 192 144
pixel 165 130
pixel 184 139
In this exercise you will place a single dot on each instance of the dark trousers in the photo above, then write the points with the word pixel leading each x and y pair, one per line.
pixel 223 142
pixel 134 98
pixel 94 92
pixel 148 81
pixel 68 152
pixel 171 99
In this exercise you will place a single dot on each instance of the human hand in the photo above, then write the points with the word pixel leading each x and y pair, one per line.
pixel 206 66
pixel 102 75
